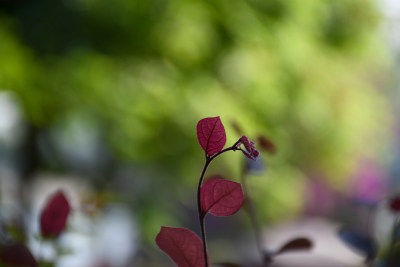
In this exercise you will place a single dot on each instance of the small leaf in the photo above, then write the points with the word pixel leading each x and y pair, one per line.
pixel 16 254
pixel 211 135
pixel 300 243
pixel 395 204
pixel 266 144
pixel 296 244
pixel 54 215
pixel 221 197
pixel 359 242
pixel 182 245
pixel 250 151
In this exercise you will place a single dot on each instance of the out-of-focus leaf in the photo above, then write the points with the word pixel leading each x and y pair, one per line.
pixel 221 197
pixel 296 244
pixel 211 135
pixel 182 245
pixel 266 144
pixel 395 204
pixel 54 215
pixel 16 254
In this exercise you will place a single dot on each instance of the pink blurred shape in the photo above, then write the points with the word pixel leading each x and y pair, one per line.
pixel 369 186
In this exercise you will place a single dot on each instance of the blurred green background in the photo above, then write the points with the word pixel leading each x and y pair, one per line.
pixel 111 91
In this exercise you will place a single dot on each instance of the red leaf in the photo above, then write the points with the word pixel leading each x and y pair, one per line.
pixel 250 151
pixel 221 197
pixel 300 243
pixel 211 135
pixel 54 215
pixel 266 144
pixel 182 245
pixel 16 254
pixel 395 204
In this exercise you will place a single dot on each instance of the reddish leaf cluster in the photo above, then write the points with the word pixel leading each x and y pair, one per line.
pixel 211 135
pixel 263 142
pixel 219 197
pixel 182 245
pixel 297 244
pixel 250 151
pixel 216 196
pixel 54 215
pixel 52 221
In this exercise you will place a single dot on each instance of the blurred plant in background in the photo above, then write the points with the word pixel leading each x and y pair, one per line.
pixel 110 93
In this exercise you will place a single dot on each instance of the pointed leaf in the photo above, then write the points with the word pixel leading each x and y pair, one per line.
pixel 211 135
pixel 54 215
pixel 182 245
pixel 221 197
pixel 16 254
pixel 296 244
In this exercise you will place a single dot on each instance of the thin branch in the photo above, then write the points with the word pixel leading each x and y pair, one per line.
pixel 200 213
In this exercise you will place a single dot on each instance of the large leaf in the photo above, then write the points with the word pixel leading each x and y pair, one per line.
pixel 54 215
pixel 211 135
pixel 16 254
pixel 221 197
pixel 182 245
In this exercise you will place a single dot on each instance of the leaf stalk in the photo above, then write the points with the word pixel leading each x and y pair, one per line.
pixel 201 214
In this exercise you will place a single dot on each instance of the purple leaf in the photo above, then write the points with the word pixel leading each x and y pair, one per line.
pixel 54 215
pixel 221 197
pixel 16 254
pixel 300 243
pixel 250 151
pixel 395 204
pixel 182 245
pixel 266 144
pixel 211 135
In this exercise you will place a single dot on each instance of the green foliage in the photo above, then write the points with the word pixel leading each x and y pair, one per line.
pixel 306 73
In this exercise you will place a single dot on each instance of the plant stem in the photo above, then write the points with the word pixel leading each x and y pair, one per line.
pixel 203 237
pixel 252 214
pixel 393 241
pixel 233 148
pixel 201 215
